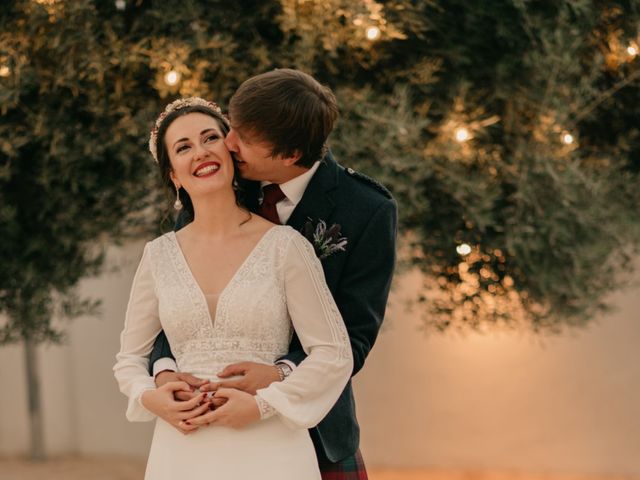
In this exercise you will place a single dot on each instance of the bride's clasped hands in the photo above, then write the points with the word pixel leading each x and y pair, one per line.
pixel 161 402
pixel 239 410
pixel 188 402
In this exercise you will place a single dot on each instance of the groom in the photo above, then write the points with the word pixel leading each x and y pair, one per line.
pixel 280 122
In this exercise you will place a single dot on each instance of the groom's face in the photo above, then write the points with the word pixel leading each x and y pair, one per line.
pixel 254 159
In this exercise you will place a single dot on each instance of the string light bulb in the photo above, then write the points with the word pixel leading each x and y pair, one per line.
pixel 121 4
pixel 567 138
pixel 373 33
pixel 462 134
pixel 463 249
pixel 172 78
pixel 5 71
pixel 632 50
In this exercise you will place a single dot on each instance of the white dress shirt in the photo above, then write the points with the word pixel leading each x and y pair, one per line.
pixel 294 190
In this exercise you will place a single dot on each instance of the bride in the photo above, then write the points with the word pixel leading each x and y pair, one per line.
pixel 229 287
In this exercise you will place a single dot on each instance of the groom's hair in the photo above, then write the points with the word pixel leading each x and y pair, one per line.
pixel 289 110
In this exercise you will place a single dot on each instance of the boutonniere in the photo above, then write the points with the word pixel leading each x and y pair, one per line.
pixel 325 241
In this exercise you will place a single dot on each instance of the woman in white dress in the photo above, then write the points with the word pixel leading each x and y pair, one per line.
pixel 228 287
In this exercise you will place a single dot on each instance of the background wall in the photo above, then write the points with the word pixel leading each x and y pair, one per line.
pixel 501 400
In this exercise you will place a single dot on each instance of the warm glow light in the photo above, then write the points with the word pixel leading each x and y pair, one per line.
pixel 172 78
pixel 121 4
pixel 631 50
pixel 567 138
pixel 462 134
pixel 373 33
pixel 5 71
pixel 463 249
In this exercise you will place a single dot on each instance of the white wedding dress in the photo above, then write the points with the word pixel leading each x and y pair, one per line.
pixel 280 286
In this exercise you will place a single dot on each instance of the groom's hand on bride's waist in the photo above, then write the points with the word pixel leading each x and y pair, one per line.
pixel 251 376
pixel 194 382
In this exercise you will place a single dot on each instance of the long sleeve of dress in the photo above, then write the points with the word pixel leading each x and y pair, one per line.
pixel 141 326
pixel 307 395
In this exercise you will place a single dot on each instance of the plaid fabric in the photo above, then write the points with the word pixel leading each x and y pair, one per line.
pixel 351 468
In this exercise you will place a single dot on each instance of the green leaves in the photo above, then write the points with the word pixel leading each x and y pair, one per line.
pixel 551 226
pixel 459 107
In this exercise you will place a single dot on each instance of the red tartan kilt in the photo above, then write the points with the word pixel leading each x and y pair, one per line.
pixel 351 468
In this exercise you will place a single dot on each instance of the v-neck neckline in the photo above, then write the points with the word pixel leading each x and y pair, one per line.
pixel 203 296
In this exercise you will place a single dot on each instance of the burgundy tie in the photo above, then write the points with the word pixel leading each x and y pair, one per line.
pixel 272 194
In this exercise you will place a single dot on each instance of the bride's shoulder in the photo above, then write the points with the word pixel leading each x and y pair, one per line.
pixel 283 237
pixel 163 238
pixel 285 232
pixel 288 239
pixel 160 242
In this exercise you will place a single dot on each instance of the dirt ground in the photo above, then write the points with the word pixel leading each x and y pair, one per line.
pixel 117 468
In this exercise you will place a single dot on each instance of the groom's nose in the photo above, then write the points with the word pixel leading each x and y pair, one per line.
pixel 231 141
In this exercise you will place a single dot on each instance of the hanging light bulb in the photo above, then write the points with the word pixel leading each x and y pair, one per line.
pixel 463 249
pixel 462 134
pixel 567 138
pixel 5 71
pixel 172 78
pixel 373 33
pixel 632 50
pixel 121 4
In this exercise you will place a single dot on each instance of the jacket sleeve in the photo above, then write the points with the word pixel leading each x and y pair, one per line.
pixel 363 288
pixel 161 350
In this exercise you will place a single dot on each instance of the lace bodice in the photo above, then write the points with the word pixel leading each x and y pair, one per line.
pixel 238 331
pixel 279 286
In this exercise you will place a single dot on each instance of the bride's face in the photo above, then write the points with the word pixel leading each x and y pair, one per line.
pixel 199 159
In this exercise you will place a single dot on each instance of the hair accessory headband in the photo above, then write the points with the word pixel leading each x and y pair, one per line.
pixel 172 107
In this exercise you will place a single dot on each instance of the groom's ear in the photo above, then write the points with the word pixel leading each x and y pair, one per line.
pixel 292 160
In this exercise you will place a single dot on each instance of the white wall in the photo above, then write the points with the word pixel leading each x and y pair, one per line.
pixel 83 409
pixel 505 400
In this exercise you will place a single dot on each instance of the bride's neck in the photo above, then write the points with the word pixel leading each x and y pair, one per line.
pixel 217 216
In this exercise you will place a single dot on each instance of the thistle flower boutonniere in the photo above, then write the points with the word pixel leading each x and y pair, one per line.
pixel 325 241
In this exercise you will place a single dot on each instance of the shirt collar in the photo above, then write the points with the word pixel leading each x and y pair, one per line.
pixel 294 188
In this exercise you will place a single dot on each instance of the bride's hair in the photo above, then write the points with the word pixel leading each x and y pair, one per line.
pixel 165 163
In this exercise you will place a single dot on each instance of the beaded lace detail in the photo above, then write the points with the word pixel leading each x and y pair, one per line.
pixel 266 410
pixel 251 321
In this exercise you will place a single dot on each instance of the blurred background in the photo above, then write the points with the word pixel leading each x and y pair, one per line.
pixel 508 132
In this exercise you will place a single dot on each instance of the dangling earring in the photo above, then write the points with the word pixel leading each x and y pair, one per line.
pixel 235 185
pixel 177 204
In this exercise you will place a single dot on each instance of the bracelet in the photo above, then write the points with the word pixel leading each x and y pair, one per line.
pixel 284 370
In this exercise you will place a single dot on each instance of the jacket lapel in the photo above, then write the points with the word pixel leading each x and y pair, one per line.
pixel 317 202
